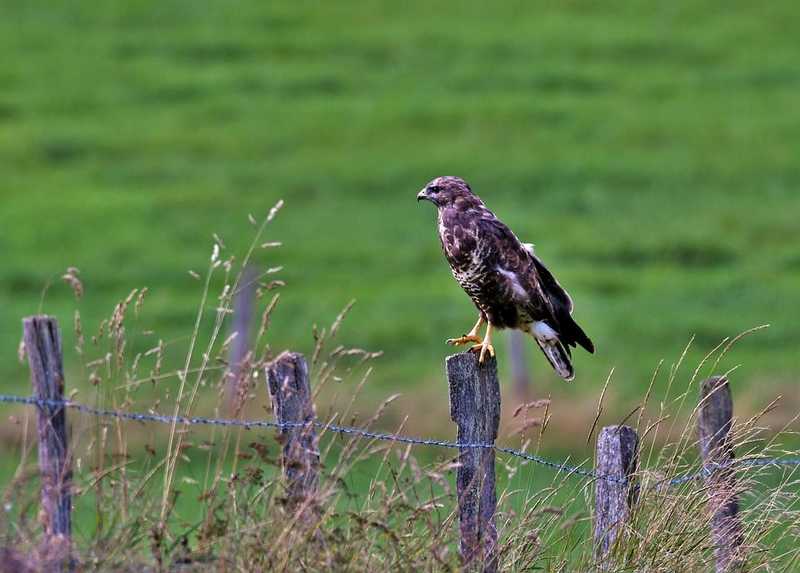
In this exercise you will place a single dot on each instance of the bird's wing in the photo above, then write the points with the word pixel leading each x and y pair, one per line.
pixel 561 303
pixel 524 274
pixel 515 266
pixel 551 287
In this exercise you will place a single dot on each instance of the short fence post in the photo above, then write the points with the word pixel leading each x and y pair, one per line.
pixel 714 425
pixel 475 408
pixel 289 388
pixel 43 348
pixel 615 490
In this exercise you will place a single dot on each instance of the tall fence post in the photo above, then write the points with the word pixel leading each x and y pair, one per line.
pixel 714 424
pixel 520 372
pixel 43 348
pixel 289 388
pixel 475 408
pixel 240 347
pixel 615 490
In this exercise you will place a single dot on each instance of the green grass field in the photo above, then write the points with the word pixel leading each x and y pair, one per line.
pixel 647 152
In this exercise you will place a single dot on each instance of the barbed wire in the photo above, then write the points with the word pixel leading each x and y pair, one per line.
pixel 704 472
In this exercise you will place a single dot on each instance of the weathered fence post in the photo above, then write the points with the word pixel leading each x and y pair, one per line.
pixel 475 408
pixel 43 348
pixel 240 347
pixel 289 388
pixel 615 490
pixel 714 425
pixel 520 373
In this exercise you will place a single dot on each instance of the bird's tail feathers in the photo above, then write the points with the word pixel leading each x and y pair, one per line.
pixel 557 355
pixel 577 334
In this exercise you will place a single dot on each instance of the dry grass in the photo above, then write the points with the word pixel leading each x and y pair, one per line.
pixel 397 514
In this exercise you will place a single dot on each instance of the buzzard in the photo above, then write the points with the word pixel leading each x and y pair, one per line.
pixel 504 278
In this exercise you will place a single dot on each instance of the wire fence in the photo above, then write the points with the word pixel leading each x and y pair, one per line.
pixel 562 466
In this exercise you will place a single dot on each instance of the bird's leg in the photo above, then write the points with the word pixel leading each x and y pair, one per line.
pixel 471 336
pixel 486 345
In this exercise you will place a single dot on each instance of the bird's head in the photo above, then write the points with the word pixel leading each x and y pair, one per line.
pixel 444 191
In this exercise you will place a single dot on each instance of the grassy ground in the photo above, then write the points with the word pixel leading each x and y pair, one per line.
pixel 646 151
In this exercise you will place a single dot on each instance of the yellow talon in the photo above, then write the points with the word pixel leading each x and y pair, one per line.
pixel 471 336
pixel 486 345
pixel 484 348
pixel 466 339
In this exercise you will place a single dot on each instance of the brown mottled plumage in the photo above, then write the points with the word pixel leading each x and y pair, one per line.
pixel 506 281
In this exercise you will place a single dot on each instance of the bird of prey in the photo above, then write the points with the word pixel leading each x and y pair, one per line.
pixel 504 278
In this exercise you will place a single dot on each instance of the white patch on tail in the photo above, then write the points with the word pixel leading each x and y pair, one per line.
pixel 543 332
pixel 554 351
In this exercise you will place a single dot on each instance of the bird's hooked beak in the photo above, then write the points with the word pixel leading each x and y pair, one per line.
pixel 423 196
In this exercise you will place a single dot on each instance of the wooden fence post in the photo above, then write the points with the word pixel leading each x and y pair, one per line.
pixel 520 372
pixel 240 347
pixel 714 425
pixel 43 348
pixel 475 408
pixel 617 458
pixel 289 388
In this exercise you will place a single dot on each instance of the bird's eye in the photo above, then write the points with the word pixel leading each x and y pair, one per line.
pixel 434 188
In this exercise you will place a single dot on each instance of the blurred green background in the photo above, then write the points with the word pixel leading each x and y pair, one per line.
pixel 648 150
